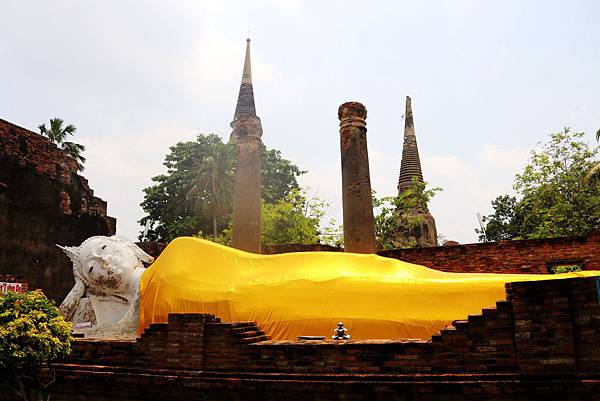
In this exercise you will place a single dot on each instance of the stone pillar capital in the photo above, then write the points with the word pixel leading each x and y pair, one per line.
pixel 352 114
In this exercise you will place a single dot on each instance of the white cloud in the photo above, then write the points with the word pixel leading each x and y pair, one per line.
pixel 508 158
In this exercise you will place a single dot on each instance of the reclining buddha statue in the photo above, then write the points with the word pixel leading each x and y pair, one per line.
pixel 104 301
pixel 289 295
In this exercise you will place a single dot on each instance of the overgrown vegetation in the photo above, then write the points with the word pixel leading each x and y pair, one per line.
pixel 393 222
pixel 566 269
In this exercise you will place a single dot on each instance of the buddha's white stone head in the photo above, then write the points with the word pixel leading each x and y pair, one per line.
pixel 106 264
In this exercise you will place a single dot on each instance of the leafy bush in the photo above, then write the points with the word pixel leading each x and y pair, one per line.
pixel 32 334
pixel 566 269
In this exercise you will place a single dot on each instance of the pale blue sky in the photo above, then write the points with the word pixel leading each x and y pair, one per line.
pixel 489 80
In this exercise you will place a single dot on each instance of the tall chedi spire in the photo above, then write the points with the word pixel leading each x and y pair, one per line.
pixel 245 104
pixel 247 131
pixel 421 224
pixel 410 167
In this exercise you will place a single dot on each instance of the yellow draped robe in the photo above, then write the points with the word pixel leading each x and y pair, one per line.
pixel 308 293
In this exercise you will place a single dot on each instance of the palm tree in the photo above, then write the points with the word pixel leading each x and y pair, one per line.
pixel 213 186
pixel 57 134
pixel 594 172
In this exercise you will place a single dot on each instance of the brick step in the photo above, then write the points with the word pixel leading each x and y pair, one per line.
pixel 503 306
pixel 489 311
pixel 252 340
pixel 253 333
pixel 472 321
pixel 475 319
pixel 460 325
pixel 243 324
pixel 245 329
pixel 447 331
pixel 155 328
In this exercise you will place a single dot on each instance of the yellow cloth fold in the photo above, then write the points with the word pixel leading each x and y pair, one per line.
pixel 308 293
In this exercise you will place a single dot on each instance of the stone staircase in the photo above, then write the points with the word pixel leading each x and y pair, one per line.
pixel 483 342
pixel 474 324
pixel 248 332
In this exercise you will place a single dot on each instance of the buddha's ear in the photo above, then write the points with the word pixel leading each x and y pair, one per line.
pixel 71 251
pixel 139 252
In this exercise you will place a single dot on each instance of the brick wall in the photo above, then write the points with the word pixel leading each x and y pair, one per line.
pixel 542 343
pixel 557 325
pixel 286 248
pixel 523 256
pixel 43 202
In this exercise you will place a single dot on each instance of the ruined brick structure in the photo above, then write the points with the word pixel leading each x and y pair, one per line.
pixel 425 232
pixel 247 131
pixel 43 202
pixel 357 204
pixel 541 343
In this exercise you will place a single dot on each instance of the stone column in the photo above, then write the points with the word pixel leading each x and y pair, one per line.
pixel 359 227
pixel 247 188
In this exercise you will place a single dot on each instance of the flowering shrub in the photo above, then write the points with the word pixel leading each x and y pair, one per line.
pixel 32 334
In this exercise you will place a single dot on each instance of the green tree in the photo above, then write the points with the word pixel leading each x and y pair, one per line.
pixel 552 199
pixel 393 220
pixel 32 334
pixel 332 234
pixel 213 186
pixel 183 201
pixel 504 222
pixel 57 134
pixel 278 176
pixel 294 219
pixel 594 173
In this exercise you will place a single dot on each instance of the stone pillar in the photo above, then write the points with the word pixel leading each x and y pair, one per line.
pixel 247 131
pixel 359 227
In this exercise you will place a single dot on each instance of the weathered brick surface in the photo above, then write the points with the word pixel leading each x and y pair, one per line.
pixel 542 343
pixel 557 325
pixel 524 256
pixel 286 248
pixel 43 202
pixel 115 385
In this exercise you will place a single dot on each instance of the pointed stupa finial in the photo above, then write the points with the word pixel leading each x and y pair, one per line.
pixel 247 74
pixel 245 104
pixel 410 165
pixel 409 125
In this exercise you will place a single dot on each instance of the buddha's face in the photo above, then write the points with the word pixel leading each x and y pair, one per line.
pixel 106 264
